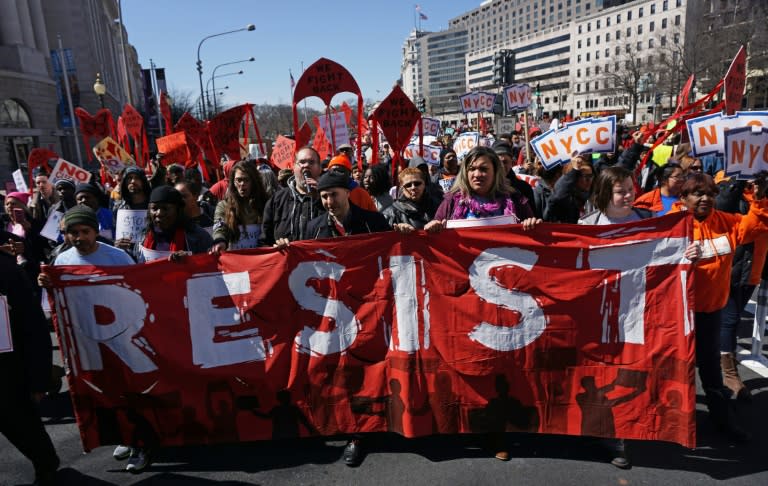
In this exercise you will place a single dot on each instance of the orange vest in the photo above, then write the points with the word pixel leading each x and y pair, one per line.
pixel 650 200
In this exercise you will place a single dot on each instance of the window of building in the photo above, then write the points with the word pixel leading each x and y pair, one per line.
pixel 587 57
pixel 578 72
pixel 640 12
pixel 629 15
pixel 586 71
pixel 618 34
pixel 13 115
pixel 617 50
pixel 579 29
pixel 597 70
pixel 597 85
pixel 679 3
pixel 588 41
pixel 653 8
pixel 597 39
pixel 546 99
pixel 597 24
pixel 607 21
pixel 629 31
pixel 651 26
pixel 589 26
pixel 665 5
pixel 597 55
pixel 677 20
pixel 676 38
pixel 640 29
pixel 650 43
pixel 639 45
pixel 663 23
pixel 578 58
pixel 627 48
pixel 618 18
pixel 663 40
pixel 578 44
pixel 578 88
pixel 616 66
pixel 578 105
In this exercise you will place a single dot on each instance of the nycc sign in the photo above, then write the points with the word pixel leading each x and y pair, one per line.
pixel 555 147
pixel 477 102
pixel 707 133
pixel 517 96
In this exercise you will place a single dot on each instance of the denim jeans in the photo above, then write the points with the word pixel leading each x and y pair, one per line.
pixel 731 316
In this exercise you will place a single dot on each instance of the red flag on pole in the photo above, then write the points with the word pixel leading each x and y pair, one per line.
pixel 735 79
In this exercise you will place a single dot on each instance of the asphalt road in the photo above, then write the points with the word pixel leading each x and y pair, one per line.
pixel 439 460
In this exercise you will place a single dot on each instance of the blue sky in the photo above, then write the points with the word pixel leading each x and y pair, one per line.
pixel 365 36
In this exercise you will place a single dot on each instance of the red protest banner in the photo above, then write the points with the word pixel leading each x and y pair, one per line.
pixel 174 148
pixel 99 126
pixel 133 124
pixel 282 152
pixel 397 116
pixel 345 334
pixel 735 80
pixel 40 157
pixel 320 142
pixel 225 128
pixel 324 79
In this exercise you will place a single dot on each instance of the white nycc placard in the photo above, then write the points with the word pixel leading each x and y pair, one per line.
pixel 68 170
pixel 151 255
pixel 465 142
pixel 476 102
pixel 746 151
pixel 6 341
pixel 517 96
pixel 131 224
pixel 596 135
pixel 707 133
pixel 431 153
pixel 18 179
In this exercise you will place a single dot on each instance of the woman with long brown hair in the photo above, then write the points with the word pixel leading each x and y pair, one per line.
pixel 237 220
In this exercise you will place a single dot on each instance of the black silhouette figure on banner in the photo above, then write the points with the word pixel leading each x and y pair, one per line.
pixel 504 413
pixel 219 406
pixel 286 418
pixel 597 409
pixel 395 407
pixel 191 431
pixel 672 416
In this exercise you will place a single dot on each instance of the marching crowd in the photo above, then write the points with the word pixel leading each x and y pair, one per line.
pixel 254 205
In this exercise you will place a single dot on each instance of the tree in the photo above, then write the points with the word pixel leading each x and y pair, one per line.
pixel 181 102
pixel 625 77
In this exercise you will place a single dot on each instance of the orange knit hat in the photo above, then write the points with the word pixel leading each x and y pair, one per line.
pixel 341 160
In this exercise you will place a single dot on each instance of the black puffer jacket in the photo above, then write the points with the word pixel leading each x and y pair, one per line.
pixel 406 211
pixel 730 200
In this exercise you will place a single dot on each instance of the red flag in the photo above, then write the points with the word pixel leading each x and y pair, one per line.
pixel 347 113
pixel 321 143
pixel 134 127
pixel 175 149
pixel 282 152
pixel 682 98
pixel 165 110
pixel 735 80
pixel 39 157
pixel 304 135
pixel 99 126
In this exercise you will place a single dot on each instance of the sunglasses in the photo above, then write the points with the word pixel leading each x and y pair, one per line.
pixel 413 184
pixel 696 168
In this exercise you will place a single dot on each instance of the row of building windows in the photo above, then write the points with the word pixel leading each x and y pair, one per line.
pixel 651 28
pixel 640 12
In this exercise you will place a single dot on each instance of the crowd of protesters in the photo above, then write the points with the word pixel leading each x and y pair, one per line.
pixel 254 205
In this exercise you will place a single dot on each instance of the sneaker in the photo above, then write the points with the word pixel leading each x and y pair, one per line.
pixel 618 453
pixel 121 452
pixel 353 453
pixel 138 461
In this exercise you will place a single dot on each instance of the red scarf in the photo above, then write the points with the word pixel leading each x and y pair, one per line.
pixel 179 242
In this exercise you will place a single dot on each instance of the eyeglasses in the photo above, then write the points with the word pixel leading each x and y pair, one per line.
pixel 696 168
pixel 306 162
pixel 413 184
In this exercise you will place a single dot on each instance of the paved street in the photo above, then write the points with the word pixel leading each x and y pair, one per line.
pixel 393 460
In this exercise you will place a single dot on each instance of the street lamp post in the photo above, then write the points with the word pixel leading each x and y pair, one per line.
pixel 248 27
pixel 213 76
pixel 212 79
pixel 100 89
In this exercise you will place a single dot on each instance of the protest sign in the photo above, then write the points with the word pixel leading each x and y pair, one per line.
pixel 52 224
pixel 282 152
pixel 151 255
pixel 249 237
pixel 6 340
pixel 517 96
pixel 340 129
pixel 18 179
pixel 431 127
pixel 112 155
pixel 477 102
pixel 68 170
pixel 397 116
pixel 131 224
pixel 338 334
pixel 465 142
pixel 174 149
pixel 746 152
pixel 588 135
pixel 707 133
pixel 431 153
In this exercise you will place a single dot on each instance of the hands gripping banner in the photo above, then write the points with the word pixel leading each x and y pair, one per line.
pixel 479 330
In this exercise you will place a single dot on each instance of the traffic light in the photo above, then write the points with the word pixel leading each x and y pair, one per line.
pixel 509 67
pixel 422 105
pixel 499 68
pixel 538 90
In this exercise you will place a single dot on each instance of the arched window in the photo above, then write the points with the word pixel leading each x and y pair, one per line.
pixel 13 115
